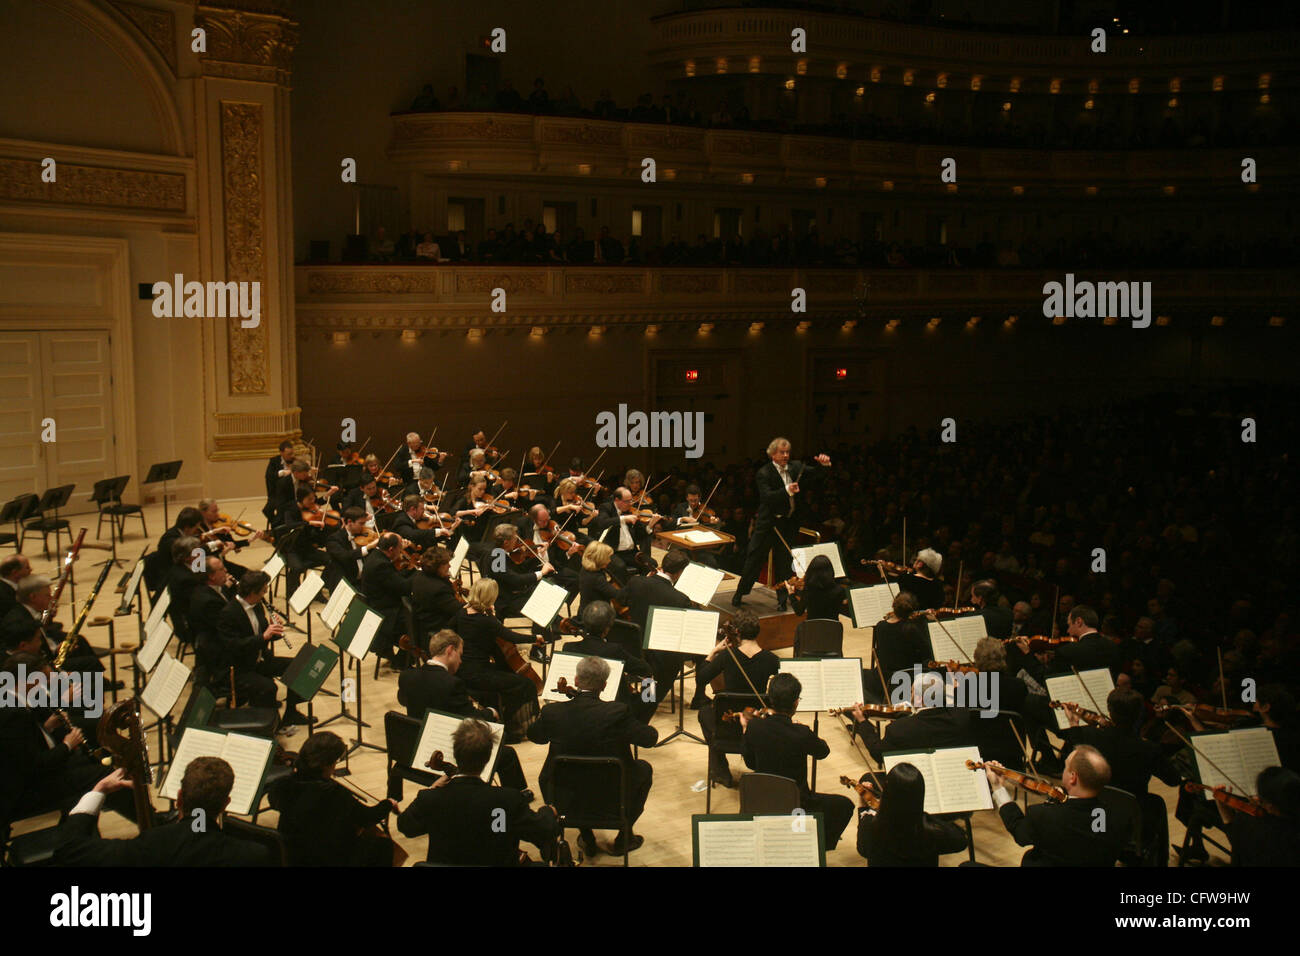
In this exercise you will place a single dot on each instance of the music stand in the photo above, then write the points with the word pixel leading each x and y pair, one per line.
pixel 111 490
pixel 53 500
pixel 163 471
pixel 12 511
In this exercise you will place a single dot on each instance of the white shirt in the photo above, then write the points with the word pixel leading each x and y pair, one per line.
pixel 252 617
pixel 624 535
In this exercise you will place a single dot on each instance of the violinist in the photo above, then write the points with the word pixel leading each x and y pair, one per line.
pixel 1014 692
pixel 540 476
pixel 506 487
pixel 925 728
pixel 578 475
pixel 157 565
pixel 817 594
pixel 385 586
pixel 418 456
pixel 997 619
pixel 899 641
pixel 367 496
pixel 690 513
pixel 658 590
pixel 1270 837
pixel 1133 761
pixel 372 467
pixel 287 492
pixel 900 832
pixel 471 823
pixel 778 511
pixel 407 524
pixel 425 486
pixel 321 821
pixel 479 442
pixel 562 549
pixel 619 526
pixel 1090 648
pixel 778 745
pixel 213 528
pixel 485 668
pixel 1276 707
pixel 1063 834
pixel 347 548
pixel 474 465
pixel 923 582
pixel 569 502
pixel 590 727
pixel 595 582
pixel 435 598
pixel 594 623
pixel 518 575
pixel 472 510
pixel 745 667
pixel 306 547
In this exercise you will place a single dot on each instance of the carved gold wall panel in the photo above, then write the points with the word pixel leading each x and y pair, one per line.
pixel 20 179
pixel 245 234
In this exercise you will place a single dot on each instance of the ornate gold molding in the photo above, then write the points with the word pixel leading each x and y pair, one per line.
pixel 243 214
pixel 158 27
pixel 512 282
pixel 245 435
pixel 387 283
pixel 20 180
pixel 247 46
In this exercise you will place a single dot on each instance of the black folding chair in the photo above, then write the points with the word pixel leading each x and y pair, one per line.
pixel 819 637
pixel 401 737
pixel 263 836
pixel 591 794
pixel 107 497
pixel 52 500
pixel 728 735
pixel 18 509
pixel 768 794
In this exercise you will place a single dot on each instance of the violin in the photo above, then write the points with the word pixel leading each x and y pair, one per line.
pixel 1041 642
pixel 327 519
pixel 874 710
pixel 1234 801
pixel 1209 714
pixel 749 713
pixel 241 528
pixel 408 645
pixel 562 687
pixel 365 539
pixel 381 503
pixel 889 567
pixel 387 478
pixel 934 612
pixel 865 790
pixel 566 539
pixel 951 666
pixel 704 515
pixel 794 584
pixel 437 764
pixel 1050 791
pixel 1086 715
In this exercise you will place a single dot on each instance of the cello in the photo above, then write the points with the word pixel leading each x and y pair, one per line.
pixel 120 733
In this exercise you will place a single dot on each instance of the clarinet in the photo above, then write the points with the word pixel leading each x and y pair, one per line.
pixel 276 619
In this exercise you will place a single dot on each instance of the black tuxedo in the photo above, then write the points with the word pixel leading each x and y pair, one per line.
pixel 462 818
pixel 424 537
pixel 926 729
pixel 175 844
pixel 34 776
pixel 1062 834
pixel 384 588
pixel 642 593
pixel 433 687
pixel 927 591
pixel 1089 652
pixel 344 559
pixel 605 527
pixel 586 726
pixel 1133 761
pixel 272 481
pixel 434 602
pixel 997 621
pixel 323 824
pixel 206 606
pixel 243 647
pixel 776 512
pixel 777 745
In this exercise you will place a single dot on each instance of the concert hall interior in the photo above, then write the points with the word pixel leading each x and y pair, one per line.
pixel 658 433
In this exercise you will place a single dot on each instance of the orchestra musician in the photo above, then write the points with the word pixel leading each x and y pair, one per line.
pixel 778 509
pixel 287 491
pixel 12 570
pixel 211 529
pixel 821 597
pixel 571 508
pixel 657 590
pixel 407 524
pixel 923 582
pixel 473 465
pixel 246 644
pixel 998 620
pixel 417 458
pixel 471 823
pixel 435 686
pixel 472 510
pixel 594 623
pixel 1272 837
pixel 425 485
pixel 540 477
pixel 321 821
pixel 206 604
pixel 385 586
pixel 369 496
pixel 587 726
pixel 1063 834
pixel 302 544
pixel 925 728
pixel 538 529
pixel 485 668
pixel 690 513
pixel 276 469
pixel 744 668
pixel 515 579
pixel 619 526
pixel 434 598
pixel 777 745
pixel 34 596
pixel 346 556
pixel 595 582
pixel 901 833
pixel 898 641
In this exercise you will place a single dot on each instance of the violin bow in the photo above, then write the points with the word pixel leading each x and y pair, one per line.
pixel 547 459
pixel 587 471
pixel 956 594
pixel 1223 687
pixel 391 457
pixel 569 517
pixel 1095 705
pixel 494 438
pixel 705 507
pixel 905 561
pixel 363 446
pixel 951 638
pixel 1056 609
pixel 880 567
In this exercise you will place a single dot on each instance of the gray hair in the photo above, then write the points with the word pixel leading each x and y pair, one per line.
pixel 30 585
pixel 776 444
pixel 426 474
pixel 931 558
pixel 596 617
pixel 206 503
pixel 591 674
pixel 477 455
pixel 182 548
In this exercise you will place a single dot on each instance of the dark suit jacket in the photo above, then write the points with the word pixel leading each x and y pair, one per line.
pixel 777 745
pixel 1061 834
pixel 343 555
pixel 384 585
pixel 404 526
pixel 773 502
pixel 241 646
pixel 461 817
pixel 175 844
pixel 206 606
pixel 927 729
pixel 1133 761
pixel 594 586
pixel 587 727
pixel 594 647
pixel 605 527
pixel 997 621
pixel 1089 652
pixel 937 837
pixel 273 467
pixel 432 687
pixel 26 760
pixel 8 599
pixel 434 603
pixel 321 822
pixel 644 592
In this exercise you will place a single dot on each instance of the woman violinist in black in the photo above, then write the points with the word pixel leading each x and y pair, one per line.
pixel 820 596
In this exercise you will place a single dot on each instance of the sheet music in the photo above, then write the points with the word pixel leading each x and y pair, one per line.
pixel 273 567
pixel 800 558
pixel 949 786
pixel 458 557
pixel 827 683
pixel 163 689
pixel 727 843
pixel 684 630
pixel 359 646
pixel 699 582
pixel 247 757
pixel 1239 754
pixel 435 734
pixel 158 610
pixel 195 742
pixel 544 603
pixel 870 604
pixel 566 666
pixel 781 843
pixel 133 583
pixel 155 642
pixel 965 631
pixel 1067 689
pixel 301 599
pixel 337 605
pixel 700 536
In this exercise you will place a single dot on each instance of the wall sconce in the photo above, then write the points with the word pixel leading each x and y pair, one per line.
pixel 887 185
pixel 803 326
pixel 537 331
pixel 1134 85
pixel 1276 321
pixel 1217 84
pixel 875 74
pixel 755 64
pixel 340 338
pixel 652 329
pixel 596 331
pixel 410 335
pixel 820 182
pixel 941 81
pixel 801 67
pixel 721 65
pixel 849 325
pixel 972 322
pixel 1217 320
pixel 1017 190
pixel 690 67
pixel 1014 85
pixel 1054 86
pixel 841 71
pixel 756 327
pixel 908 77
pixel 975 83
pixel 891 325
pixel 474 334
pixel 747 179
pixel 705 328
pixel 860 91
pixel 1010 322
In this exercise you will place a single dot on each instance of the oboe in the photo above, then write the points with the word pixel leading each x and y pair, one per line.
pixel 276 619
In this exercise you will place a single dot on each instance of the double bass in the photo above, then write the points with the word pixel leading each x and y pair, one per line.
pixel 120 733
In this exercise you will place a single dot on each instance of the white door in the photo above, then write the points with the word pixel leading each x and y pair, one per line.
pixel 22 455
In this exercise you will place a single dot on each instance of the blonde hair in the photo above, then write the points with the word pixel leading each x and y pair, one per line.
pixel 483 594
pixel 442 640
pixel 372 458
pixel 776 444
pixel 566 487
pixel 596 556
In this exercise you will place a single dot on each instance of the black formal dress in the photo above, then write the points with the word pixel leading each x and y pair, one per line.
pixel 777 745
pixel 586 726
pixel 899 645
pixel 323 824
pixel 596 586
pixel 934 838
pixel 484 668
pixel 462 819
pixel 928 592
pixel 738 674
pixel 825 605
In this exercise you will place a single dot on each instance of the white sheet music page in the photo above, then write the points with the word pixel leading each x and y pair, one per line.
pixel 786 841
pixel 165 686
pixel 544 603
pixel 247 757
pixel 360 644
pixel 701 536
pixel 337 605
pixel 1097 685
pixel 954 639
pixel 458 557
pixel 134 583
pixel 566 666
pixel 1234 758
pixel 800 558
pixel 195 742
pixel 808 671
pixel 949 786
pixel 273 567
pixel 682 630
pixel 158 610
pixel 870 604
pixel 727 843
pixel 155 642
pixel 699 582
pixel 301 599
pixel 841 682
pixel 435 734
